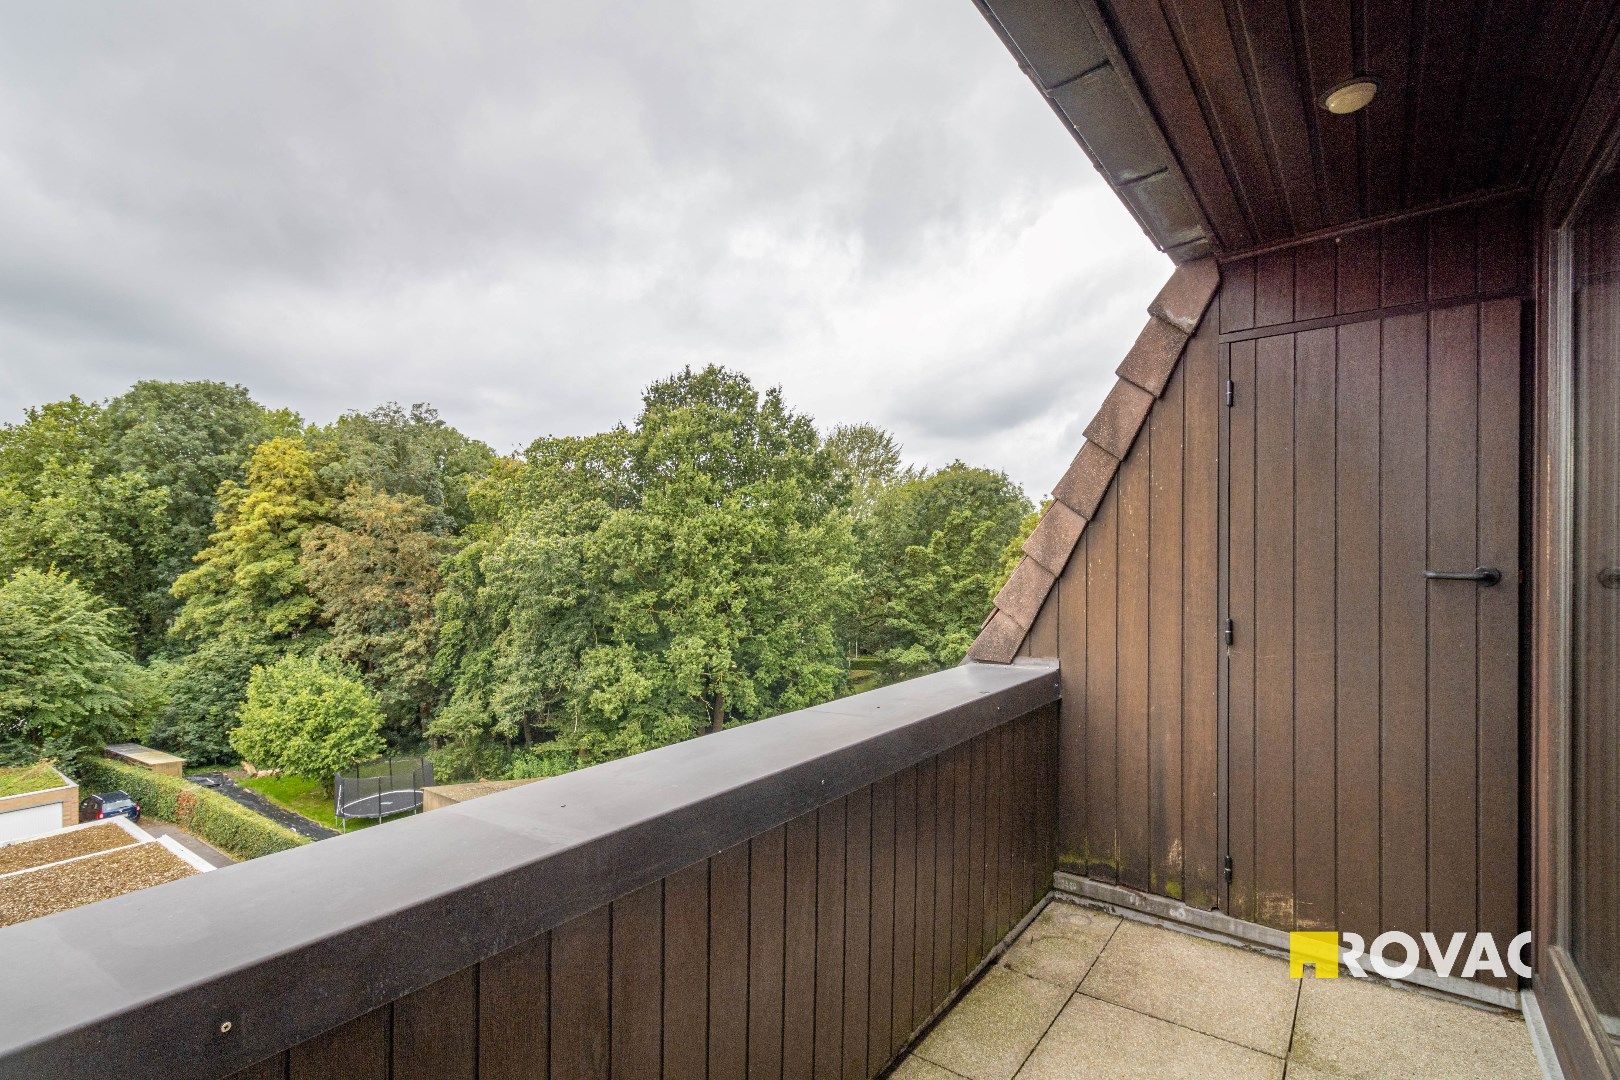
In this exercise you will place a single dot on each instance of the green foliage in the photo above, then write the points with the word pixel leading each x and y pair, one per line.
pixel 1014 551
pixel 464 752
pixel 25 779
pixel 121 495
pixel 374 571
pixel 201 693
pixel 714 562
pixel 309 718
pixel 247 580
pixel 931 556
pixel 184 439
pixel 641 586
pixel 188 438
pixel 405 452
pixel 61 508
pixel 518 607
pixel 66 688
pixel 232 828
pixel 865 460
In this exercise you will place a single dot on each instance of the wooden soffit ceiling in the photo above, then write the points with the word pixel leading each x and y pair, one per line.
pixel 1205 116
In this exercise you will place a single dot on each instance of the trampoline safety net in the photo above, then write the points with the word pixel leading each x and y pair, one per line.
pixel 382 788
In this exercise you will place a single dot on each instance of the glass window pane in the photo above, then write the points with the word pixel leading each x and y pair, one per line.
pixel 1595 761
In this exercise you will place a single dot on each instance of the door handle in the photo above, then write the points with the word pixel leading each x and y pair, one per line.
pixel 1485 575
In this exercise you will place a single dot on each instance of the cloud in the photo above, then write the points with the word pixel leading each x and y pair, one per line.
pixel 526 212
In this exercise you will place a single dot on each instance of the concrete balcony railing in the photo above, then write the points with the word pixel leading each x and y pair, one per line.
pixel 795 897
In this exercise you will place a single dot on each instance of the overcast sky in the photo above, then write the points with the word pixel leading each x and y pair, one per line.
pixel 525 212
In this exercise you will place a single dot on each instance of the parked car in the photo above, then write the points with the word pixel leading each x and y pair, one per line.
pixel 109 804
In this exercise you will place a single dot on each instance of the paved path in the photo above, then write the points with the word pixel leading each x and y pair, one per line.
pixel 208 853
pixel 298 823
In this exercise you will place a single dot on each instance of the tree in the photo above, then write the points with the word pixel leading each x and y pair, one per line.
pixel 637 587
pixel 930 558
pixel 720 591
pixel 517 609
pixel 247 580
pixel 62 508
pixel 404 452
pixel 308 717
pixel 187 439
pixel 105 531
pixel 120 495
pixel 200 694
pixel 66 689
pixel 942 593
pixel 865 460
pixel 374 571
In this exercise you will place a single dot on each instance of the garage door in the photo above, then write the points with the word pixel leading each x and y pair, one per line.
pixel 30 822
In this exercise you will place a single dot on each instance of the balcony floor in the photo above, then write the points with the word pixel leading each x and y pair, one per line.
pixel 1083 993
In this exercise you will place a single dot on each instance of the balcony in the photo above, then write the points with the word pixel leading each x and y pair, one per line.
pixel 806 896
pixel 794 897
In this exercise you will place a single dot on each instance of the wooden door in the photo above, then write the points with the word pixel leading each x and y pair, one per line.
pixel 1371 731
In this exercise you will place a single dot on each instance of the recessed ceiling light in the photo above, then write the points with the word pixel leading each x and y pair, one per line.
pixel 1350 96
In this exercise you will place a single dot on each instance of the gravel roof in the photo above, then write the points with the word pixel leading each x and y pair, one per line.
pixel 61 886
pixel 54 847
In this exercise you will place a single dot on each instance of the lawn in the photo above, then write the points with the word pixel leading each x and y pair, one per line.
pixel 21 779
pixel 302 796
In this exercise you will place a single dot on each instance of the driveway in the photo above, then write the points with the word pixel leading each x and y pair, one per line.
pixel 208 853
pixel 298 823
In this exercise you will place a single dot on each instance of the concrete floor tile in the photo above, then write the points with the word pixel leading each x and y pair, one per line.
pixel 987 1034
pixel 1231 993
pixel 1355 1028
pixel 916 1068
pixel 1061 944
pixel 1094 1038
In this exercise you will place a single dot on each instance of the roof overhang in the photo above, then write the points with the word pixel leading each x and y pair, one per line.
pixel 1209 119
pixel 1069 54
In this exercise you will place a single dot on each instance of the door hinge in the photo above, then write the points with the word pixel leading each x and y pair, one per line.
pixel 1228 632
pixel 1231 393
pixel 1226 868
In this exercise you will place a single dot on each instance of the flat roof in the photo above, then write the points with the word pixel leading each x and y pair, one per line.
pixel 31 779
pixel 143 754
pixel 46 890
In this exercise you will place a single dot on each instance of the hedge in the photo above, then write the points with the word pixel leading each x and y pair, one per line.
pixel 234 829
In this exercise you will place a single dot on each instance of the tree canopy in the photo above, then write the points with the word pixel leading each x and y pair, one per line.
pixel 121 495
pixel 931 557
pixel 66 688
pixel 373 571
pixel 308 717
pixel 244 584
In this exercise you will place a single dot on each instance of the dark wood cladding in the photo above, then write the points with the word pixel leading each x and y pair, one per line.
pixel 1373 716
pixel 1472 98
pixel 1351 781
pixel 374 916
pixel 816 949
pixel 1468 252
pixel 1133 622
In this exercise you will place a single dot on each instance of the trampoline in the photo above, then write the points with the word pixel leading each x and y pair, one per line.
pixel 382 788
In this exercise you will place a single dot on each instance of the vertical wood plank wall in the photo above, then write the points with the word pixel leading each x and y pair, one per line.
pixel 1133 621
pixel 1373 714
pixel 1342 709
pixel 816 949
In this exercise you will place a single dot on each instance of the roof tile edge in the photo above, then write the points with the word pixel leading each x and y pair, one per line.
pixel 1173 317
